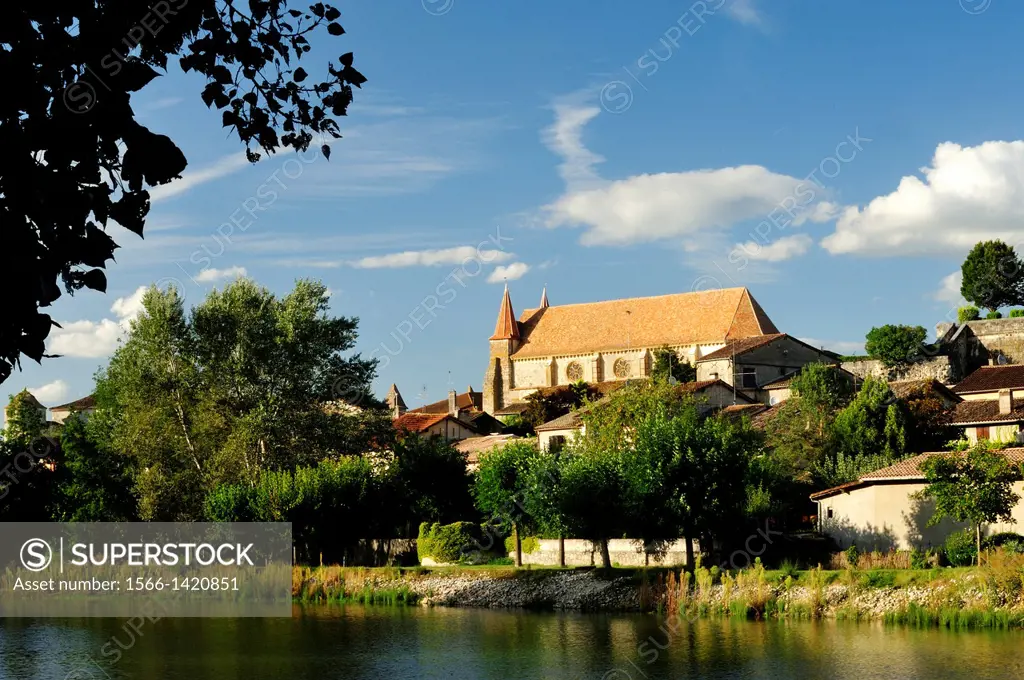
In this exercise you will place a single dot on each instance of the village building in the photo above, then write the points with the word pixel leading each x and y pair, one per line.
pixel 84 407
pixel 613 340
pixel 473 447
pixel 879 510
pixel 754 364
pixel 441 425
pixel 987 382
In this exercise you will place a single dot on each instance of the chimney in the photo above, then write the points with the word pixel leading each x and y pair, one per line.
pixel 1005 401
pixel 453 410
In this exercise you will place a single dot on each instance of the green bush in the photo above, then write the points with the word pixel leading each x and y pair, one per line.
pixel 969 313
pixel 993 315
pixel 852 556
pixel 918 559
pixel 959 549
pixel 448 543
pixel 878 579
pixel 1016 313
pixel 531 544
pixel 1000 539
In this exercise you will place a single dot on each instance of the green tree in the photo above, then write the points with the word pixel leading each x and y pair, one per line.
pixel 238 388
pixel 427 482
pixel 974 487
pixel 874 422
pixel 76 158
pixel 506 489
pixel 895 345
pixel 668 366
pixel 93 486
pixel 545 405
pixel 992 276
pixel 822 386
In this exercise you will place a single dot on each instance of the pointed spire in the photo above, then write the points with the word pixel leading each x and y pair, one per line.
pixel 506 328
pixel 544 298
pixel 395 402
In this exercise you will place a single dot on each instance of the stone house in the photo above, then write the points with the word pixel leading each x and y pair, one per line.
pixel 878 511
pixel 85 407
pixel 760 367
pixel 442 425
pixel 614 340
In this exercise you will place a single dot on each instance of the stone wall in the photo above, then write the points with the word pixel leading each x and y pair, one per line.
pixel 1001 335
pixel 623 551
pixel 940 368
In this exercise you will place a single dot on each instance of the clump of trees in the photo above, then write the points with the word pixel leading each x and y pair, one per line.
pixel 896 345
pixel 669 367
pixel 545 405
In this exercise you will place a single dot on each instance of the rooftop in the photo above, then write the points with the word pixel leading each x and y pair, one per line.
pixel 706 317
pixel 77 405
pixel 986 411
pixel 420 422
pixel 992 379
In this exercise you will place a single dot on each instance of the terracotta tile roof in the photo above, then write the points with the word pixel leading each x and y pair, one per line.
pixel 513 409
pixel 906 470
pixel 986 411
pixel 707 317
pixel 907 388
pixel 992 379
pixel 465 401
pixel 506 328
pixel 472 447
pixel 570 421
pixel 743 345
pixel 77 405
pixel 780 383
pixel 420 422
pixel 760 420
pixel 738 411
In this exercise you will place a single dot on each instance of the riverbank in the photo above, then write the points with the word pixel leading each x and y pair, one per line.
pixel 956 598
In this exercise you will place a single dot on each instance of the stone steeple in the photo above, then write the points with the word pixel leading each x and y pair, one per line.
pixel 544 298
pixel 506 328
pixel 395 401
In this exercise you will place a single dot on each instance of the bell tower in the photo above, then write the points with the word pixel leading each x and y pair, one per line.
pixel 505 341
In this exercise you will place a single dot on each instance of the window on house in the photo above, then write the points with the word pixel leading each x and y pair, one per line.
pixel 982 433
pixel 829 513
pixel 556 443
pixel 746 376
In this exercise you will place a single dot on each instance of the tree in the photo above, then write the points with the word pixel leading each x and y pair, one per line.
pixel 545 405
pixel 93 486
pixel 874 422
pixel 75 157
pixel 427 482
pixel 668 367
pixel 506 489
pixel 237 388
pixel 992 276
pixel 974 487
pixel 895 345
pixel 822 386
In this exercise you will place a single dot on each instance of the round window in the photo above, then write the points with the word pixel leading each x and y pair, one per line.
pixel 621 368
pixel 574 371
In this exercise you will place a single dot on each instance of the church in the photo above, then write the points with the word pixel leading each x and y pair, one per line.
pixel 613 340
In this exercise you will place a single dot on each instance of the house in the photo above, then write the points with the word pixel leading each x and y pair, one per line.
pixel 996 420
pixel 879 512
pixel 474 447
pixel 443 425
pixel 613 340
pixel 467 407
pixel 712 395
pixel 987 381
pixel 928 387
pixel 85 407
pixel 761 366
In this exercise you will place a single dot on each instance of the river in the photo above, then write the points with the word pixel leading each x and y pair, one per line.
pixel 354 642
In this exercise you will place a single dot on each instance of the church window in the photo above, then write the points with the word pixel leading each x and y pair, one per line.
pixel 621 368
pixel 574 371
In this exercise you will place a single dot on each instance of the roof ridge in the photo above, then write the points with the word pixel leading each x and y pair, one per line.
pixel 638 297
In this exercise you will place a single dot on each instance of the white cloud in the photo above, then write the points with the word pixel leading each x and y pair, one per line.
pixel 968 194
pixel 778 250
pixel 514 271
pixel 949 290
pixel 210 275
pixel 55 392
pixel 745 12
pixel 694 204
pixel 837 346
pixel 93 339
pixel 431 258
pixel 189 180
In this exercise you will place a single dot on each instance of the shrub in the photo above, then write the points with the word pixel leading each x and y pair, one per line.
pixel 918 559
pixel 1016 313
pixel 878 579
pixel 787 569
pixel 959 549
pixel 531 544
pixel 969 313
pixel 993 315
pixel 448 543
pixel 895 345
pixel 852 556
pixel 1000 539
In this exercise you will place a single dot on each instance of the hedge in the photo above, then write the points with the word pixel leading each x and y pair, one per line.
pixel 531 544
pixel 448 543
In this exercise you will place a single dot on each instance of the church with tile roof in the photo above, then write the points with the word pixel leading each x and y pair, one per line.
pixel 613 340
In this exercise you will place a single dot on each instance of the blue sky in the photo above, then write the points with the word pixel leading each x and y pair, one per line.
pixel 838 158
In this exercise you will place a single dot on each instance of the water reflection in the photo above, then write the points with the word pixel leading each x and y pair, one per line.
pixel 368 642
